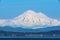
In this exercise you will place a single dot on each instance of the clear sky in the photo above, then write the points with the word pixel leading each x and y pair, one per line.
pixel 12 8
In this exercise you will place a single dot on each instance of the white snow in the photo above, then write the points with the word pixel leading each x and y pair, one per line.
pixel 31 19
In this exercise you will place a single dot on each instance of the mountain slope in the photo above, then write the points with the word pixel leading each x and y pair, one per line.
pixel 31 19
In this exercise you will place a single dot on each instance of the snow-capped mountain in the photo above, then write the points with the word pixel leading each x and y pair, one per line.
pixel 34 20
pixel 30 19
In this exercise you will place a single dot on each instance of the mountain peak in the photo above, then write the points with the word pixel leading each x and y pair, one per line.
pixel 29 12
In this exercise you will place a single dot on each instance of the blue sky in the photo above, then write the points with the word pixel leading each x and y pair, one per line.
pixel 12 8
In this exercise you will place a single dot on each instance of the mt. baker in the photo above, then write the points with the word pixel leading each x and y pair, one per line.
pixel 31 19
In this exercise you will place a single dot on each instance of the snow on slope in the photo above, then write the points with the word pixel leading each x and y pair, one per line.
pixel 3 22
pixel 31 19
